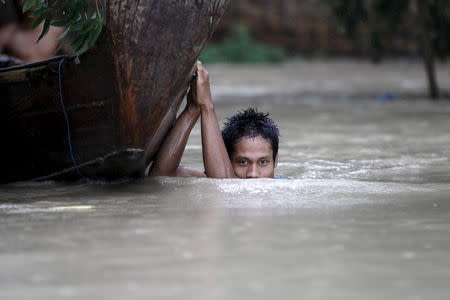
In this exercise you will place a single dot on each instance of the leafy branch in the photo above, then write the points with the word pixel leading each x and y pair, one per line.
pixel 75 15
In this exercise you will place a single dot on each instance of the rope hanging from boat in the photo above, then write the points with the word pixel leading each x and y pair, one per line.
pixel 63 107
pixel 97 180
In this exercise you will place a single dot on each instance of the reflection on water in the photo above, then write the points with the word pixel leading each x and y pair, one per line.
pixel 363 214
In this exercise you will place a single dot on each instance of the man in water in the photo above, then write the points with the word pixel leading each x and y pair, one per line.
pixel 246 148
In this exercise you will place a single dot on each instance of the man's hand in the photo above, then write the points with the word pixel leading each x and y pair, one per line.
pixel 192 95
pixel 202 89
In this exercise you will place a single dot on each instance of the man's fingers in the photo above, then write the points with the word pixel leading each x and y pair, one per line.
pixel 202 73
pixel 199 66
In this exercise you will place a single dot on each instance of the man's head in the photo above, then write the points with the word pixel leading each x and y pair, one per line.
pixel 251 139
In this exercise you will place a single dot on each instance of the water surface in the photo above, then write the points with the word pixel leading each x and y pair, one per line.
pixel 364 214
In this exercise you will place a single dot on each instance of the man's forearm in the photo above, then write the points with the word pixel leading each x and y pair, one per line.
pixel 215 157
pixel 169 155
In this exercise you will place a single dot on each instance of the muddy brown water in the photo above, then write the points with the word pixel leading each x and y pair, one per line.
pixel 364 213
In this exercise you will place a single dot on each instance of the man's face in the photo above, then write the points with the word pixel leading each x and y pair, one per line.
pixel 253 158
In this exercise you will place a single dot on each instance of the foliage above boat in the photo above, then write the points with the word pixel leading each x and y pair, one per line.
pixel 83 22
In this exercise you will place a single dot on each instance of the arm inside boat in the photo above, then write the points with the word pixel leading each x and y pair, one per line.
pixel 215 157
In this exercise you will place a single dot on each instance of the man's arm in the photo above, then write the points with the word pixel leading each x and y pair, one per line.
pixel 215 157
pixel 168 159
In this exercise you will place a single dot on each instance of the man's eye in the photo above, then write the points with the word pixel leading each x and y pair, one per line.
pixel 242 162
pixel 263 162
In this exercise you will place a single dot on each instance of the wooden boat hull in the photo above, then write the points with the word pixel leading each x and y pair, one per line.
pixel 120 98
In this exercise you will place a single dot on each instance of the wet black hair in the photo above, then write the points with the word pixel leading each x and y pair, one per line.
pixel 250 123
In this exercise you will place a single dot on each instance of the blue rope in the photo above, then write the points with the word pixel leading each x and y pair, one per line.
pixel 63 107
pixel 69 136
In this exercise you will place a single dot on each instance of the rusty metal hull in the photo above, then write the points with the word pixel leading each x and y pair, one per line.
pixel 105 115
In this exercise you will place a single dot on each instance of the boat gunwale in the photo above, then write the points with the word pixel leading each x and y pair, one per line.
pixel 37 64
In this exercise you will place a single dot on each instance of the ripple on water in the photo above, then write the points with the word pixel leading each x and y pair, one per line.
pixel 300 188
pixel 288 193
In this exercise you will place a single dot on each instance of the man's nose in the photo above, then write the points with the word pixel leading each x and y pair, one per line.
pixel 252 171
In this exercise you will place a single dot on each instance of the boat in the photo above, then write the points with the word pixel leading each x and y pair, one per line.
pixel 104 114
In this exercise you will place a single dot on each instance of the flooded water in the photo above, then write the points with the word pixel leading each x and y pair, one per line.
pixel 364 213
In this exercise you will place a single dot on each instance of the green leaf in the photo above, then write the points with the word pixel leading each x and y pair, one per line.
pixel 36 13
pixel 95 33
pixel 62 23
pixel 38 21
pixel 85 5
pixel 73 15
pixel 46 28
pixel 28 4
pixel 78 43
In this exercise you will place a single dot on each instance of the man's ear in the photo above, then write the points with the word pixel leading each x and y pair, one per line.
pixel 276 161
